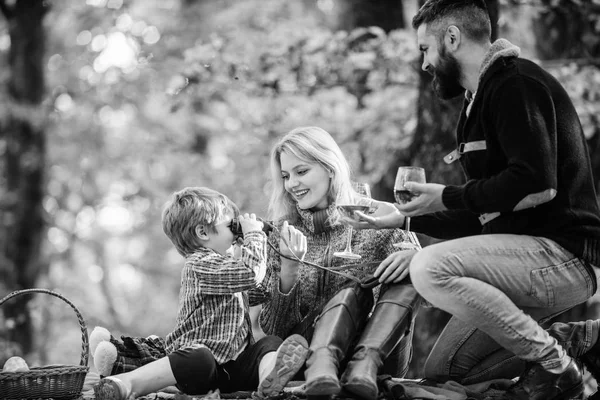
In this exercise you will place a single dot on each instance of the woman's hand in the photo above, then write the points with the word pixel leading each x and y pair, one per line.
pixel 292 243
pixel 385 216
pixel 395 267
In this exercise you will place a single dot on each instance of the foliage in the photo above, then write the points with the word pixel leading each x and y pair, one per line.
pixel 147 97
pixel 357 85
pixel 583 84
pixel 124 133
pixel 574 28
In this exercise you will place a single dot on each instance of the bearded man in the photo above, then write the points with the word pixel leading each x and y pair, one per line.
pixel 523 231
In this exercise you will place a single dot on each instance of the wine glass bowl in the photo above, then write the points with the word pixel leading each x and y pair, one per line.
pixel 403 195
pixel 349 211
pixel 407 174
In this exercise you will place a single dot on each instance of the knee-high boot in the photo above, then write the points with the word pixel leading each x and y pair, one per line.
pixel 388 324
pixel 335 328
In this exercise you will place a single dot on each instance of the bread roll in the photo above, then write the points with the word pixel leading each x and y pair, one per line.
pixel 15 364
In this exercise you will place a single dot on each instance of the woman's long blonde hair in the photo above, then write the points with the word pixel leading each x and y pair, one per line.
pixel 312 145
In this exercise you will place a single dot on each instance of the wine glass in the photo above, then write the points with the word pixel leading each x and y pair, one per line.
pixel 347 210
pixel 401 194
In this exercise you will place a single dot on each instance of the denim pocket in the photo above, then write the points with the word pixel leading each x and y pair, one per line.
pixel 563 285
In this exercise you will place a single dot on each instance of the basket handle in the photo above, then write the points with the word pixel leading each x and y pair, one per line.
pixel 84 335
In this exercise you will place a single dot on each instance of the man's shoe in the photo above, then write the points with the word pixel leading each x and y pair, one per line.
pixel 594 396
pixel 591 361
pixel 573 336
pixel 538 384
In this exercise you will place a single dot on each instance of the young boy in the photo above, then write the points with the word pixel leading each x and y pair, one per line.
pixel 212 344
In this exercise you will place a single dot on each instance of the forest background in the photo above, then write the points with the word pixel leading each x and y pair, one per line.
pixel 108 106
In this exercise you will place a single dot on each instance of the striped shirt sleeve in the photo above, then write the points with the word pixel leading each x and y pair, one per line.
pixel 219 274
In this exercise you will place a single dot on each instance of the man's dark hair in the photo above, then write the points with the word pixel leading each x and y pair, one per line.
pixel 470 16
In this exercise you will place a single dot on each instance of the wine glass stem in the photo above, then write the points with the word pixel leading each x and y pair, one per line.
pixel 407 224
pixel 349 242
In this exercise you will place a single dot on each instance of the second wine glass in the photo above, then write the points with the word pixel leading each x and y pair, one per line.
pixel 403 195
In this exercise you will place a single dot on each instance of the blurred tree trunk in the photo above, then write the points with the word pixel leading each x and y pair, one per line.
pixel 23 150
pixel 386 14
pixel 565 29
pixel 352 14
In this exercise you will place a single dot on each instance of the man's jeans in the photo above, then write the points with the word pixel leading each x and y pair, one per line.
pixel 497 288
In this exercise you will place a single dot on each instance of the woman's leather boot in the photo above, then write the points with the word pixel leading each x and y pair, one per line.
pixel 335 328
pixel 390 322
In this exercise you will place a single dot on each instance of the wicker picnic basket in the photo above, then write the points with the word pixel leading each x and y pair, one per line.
pixel 58 382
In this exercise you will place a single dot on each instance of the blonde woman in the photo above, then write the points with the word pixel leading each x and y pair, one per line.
pixel 310 176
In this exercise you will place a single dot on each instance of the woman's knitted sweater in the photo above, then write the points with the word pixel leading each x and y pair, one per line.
pixel 315 286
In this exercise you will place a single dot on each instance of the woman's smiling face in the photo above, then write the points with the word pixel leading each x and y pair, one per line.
pixel 308 183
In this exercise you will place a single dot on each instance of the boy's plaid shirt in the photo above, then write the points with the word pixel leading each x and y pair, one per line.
pixel 133 352
pixel 213 300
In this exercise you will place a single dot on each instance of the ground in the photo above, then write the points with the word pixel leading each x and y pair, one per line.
pixel 397 389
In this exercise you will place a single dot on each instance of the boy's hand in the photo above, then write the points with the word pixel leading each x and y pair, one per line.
pixel 237 250
pixel 292 242
pixel 249 223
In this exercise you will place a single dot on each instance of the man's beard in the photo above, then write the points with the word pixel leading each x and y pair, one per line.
pixel 446 76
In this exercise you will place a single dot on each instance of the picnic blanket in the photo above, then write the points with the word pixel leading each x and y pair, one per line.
pixel 391 389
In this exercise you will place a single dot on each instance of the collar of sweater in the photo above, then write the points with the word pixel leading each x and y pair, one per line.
pixel 317 222
pixel 501 48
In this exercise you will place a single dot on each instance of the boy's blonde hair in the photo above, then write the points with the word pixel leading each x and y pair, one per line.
pixel 310 144
pixel 192 207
